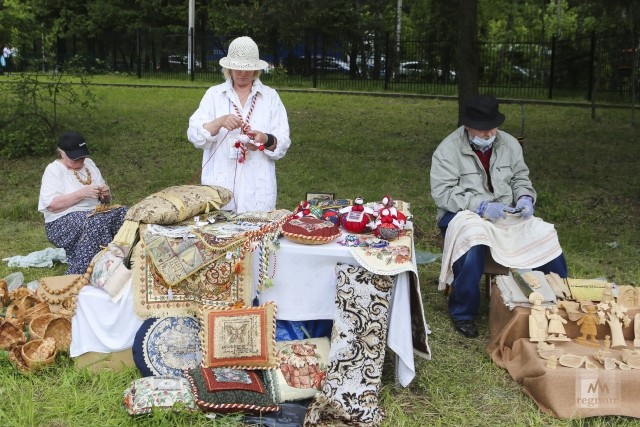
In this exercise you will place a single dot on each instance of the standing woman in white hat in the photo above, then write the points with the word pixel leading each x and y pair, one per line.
pixel 243 128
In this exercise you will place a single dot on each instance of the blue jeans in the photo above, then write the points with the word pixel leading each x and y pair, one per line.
pixel 464 296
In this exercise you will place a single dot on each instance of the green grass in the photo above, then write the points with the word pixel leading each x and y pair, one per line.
pixel 585 171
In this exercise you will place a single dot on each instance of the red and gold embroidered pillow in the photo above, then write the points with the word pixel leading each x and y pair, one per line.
pixel 231 390
pixel 310 231
pixel 240 338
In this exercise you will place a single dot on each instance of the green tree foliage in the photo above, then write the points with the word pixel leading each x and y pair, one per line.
pixel 31 107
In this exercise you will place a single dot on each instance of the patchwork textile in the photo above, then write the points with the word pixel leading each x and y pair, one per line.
pixel 358 343
pixel 175 259
pixel 389 260
pixel 241 338
pixel 514 242
pixel 231 390
pixel 224 282
pixel 163 392
pixel 167 346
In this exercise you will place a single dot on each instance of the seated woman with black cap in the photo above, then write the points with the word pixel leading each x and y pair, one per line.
pixel 72 187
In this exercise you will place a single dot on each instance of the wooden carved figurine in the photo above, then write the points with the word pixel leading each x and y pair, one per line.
pixel 588 323
pixel 537 319
pixel 607 293
pixel 556 325
pixel 616 318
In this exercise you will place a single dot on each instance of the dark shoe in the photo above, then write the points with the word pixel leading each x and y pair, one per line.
pixel 467 328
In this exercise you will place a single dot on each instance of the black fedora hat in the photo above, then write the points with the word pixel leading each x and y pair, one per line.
pixel 481 112
pixel 74 145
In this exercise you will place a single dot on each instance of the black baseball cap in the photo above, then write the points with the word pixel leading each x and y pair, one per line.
pixel 74 145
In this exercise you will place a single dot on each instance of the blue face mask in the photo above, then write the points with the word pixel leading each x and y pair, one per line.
pixel 481 143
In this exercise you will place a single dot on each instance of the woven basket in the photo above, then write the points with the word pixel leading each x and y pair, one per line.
pixel 11 334
pixel 60 330
pixel 20 293
pixel 35 311
pixel 39 353
pixel 38 325
pixel 15 357
pixel 51 325
pixel 21 306
pixel 4 293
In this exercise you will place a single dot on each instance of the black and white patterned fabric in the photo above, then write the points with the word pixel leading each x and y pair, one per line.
pixel 358 343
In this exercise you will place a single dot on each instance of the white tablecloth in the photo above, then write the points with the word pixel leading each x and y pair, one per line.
pixel 305 288
pixel 100 325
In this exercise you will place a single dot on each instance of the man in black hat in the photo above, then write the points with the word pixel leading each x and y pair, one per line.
pixel 480 184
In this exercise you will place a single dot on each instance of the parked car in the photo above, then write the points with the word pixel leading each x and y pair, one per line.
pixel 423 71
pixel 179 61
pixel 332 65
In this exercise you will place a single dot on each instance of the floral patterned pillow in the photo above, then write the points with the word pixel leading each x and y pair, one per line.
pixel 302 367
pixel 162 392
pixel 358 344
pixel 109 271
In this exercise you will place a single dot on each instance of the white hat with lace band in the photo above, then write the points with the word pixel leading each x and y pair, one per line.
pixel 243 54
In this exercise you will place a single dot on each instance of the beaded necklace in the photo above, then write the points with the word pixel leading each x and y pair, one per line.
pixel 245 128
pixel 86 181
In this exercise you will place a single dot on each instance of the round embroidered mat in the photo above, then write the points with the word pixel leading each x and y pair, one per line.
pixel 167 346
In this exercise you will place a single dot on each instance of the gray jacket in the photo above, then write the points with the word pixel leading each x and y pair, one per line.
pixel 459 182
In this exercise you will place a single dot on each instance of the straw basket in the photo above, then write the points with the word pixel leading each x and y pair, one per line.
pixel 54 326
pixel 38 325
pixel 60 330
pixel 21 306
pixel 4 293
pixel 11 334
pixel 39 353
pixel 35 311
pixel 15 357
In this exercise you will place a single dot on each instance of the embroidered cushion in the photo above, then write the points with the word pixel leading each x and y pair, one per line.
pixel 302 366
pixel 162 392
pixel 109 272
pixel 169 206
pixel 167 346
pixel 358 343
pixel 242 338
pixel 175 204
pixel 310 231
pixel 231 390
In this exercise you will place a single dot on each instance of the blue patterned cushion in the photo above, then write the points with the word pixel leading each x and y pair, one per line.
pixel 167 346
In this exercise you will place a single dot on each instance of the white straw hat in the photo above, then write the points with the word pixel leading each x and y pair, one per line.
pixel 243 55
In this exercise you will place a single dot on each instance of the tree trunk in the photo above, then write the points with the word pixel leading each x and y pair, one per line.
pixel 468 57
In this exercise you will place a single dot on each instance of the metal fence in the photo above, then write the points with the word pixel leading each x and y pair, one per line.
pixel 600 68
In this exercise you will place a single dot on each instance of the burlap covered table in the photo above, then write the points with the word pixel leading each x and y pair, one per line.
pixel 561 392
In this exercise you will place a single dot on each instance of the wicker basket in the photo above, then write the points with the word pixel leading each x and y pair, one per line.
pixel 60 330
pixel 39 353
pixel 38 325
pixel 20 293
pixel 4 293
pixel 51 325
pixel 11 334
pixel 35 311
pixel 22 305
pixel 15 357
